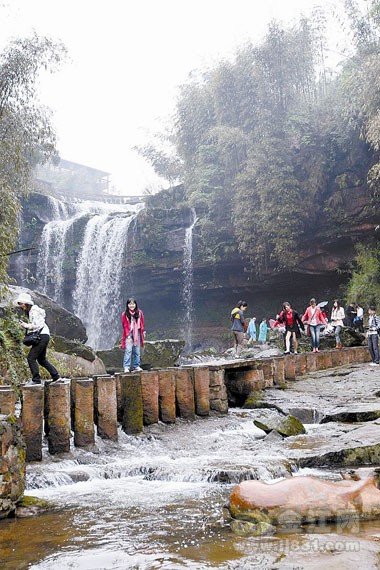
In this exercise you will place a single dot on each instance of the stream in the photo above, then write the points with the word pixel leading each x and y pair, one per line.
pixel 155 501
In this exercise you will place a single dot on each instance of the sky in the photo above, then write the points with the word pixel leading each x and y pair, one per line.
pixel 126 62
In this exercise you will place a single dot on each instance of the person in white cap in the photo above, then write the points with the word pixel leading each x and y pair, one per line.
pixel 37 354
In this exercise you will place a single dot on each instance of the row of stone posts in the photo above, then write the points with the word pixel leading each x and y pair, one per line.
pixel 89 406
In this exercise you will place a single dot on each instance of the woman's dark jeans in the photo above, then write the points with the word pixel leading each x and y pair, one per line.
pixel 37 354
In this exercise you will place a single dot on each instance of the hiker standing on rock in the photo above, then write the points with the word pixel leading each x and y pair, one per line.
pixel 373 335
pixel 36 323
pixel 314 318
pixel 337 316
pixel 133 335
pixel 238 329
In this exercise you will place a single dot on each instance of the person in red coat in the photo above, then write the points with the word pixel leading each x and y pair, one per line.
pixel 293 323
pixel 133 335
pixel 315 319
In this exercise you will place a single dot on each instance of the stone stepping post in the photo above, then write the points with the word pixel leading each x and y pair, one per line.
pixel 184 394
pixel 243 382
pixel 32 418
pixel 301 366
pixel 84 433
pixel 7 400
pixel 290 367
pixel 266 365
pixel 106 407
pixel 166 397
pixel 119 403
pixel 336 357
pixel 131 403
pixel 150 394
pixel 218 390
pixel 278 370
pixel 311 361
pixel 202 390
pixel 59 417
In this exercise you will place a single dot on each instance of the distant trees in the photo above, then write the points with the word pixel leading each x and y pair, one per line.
pixel 265 140
pixel 26 135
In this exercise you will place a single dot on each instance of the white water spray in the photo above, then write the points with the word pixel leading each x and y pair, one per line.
pixel 187 291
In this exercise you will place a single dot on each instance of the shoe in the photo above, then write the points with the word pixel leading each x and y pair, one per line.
pixel 126 370
pixel 36 382
pixel 55 380
pixel 137 369
pixel 287 352
pixel 317 350
pixel 374 364
pixel 295 352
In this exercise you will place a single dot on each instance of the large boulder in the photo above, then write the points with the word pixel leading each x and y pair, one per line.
pixel 76 366
pixel 299 500
pixel 155 354
pixel 60 321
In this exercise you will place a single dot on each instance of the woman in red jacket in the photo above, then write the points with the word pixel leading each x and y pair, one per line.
pixel 314 318
pixel 133 335
pixel 292 322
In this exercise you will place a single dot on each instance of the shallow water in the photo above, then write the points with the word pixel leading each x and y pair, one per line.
pixel 155 501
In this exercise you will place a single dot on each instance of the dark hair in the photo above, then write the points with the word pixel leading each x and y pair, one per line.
pixel 242 304
pixel 136 313
pixel 286 304
pixel 372 307
pixel 337 303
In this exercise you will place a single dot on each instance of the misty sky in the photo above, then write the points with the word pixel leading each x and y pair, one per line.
pixel 126 62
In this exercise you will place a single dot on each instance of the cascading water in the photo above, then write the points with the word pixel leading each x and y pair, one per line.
pixel 187 292
pixel 99 268
pixel 97 294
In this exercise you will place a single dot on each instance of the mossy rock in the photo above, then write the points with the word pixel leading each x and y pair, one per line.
pixel 253 529
pixel 287 426
pixel 31 506
pixel 73 347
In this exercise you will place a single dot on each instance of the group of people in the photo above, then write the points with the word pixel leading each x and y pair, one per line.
pixel 312 321
pixel 33 320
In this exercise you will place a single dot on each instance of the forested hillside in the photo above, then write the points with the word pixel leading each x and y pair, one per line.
pixel 272 145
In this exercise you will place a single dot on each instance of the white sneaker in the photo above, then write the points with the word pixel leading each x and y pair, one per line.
pixel 138 369
pixel 373 364
pixel 126 370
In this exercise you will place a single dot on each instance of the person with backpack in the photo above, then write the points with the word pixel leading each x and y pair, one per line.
pixel 35 322
pixel 237 327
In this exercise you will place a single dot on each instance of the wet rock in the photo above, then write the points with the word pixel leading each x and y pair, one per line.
pixel 31 506
pixel 255 400
pixel 298 500
pixel 337 445
pixel 353 414
pixel 287 426
pixel 253 529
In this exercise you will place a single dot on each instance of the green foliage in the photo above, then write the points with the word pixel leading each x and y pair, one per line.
pixel 273 147
pixel 364 285
pixel 26 136
pixel 13 365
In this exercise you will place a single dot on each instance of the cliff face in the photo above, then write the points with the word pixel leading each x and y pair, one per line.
pixel 154 267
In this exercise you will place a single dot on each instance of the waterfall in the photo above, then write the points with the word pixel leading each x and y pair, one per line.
pixel 51 258
pixel 97 295
pixel 187 291
pixel 98 270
